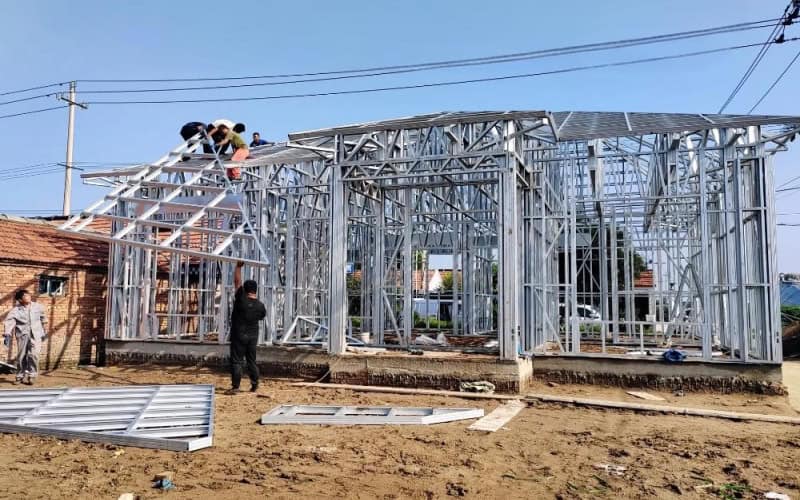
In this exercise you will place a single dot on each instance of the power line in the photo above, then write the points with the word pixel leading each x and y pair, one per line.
pixel 33 170
pixel 30 98
pixel 775 82
pixel 34 212
pixel 505 58
pixel 78 165
pixel 20 91
pixel 26 175
pixel 409 68
pixel 440 84
pixel 386 70
pixel 789 182
pixel 34 111
pixel 753 65
pixel 435 64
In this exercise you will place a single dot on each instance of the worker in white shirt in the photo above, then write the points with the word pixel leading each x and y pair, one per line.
pixel 26 322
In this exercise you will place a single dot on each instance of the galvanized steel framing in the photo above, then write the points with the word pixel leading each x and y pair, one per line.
pixel 365 415
pixel 570 208
pixel 168 417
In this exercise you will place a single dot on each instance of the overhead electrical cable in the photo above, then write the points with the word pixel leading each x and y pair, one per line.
pixel 435 84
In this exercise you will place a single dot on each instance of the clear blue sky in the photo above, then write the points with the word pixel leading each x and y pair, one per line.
pixel 48 41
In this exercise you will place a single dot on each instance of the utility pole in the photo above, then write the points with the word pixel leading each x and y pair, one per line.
pixel 70 139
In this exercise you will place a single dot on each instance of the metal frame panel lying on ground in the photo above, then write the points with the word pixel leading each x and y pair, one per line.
pixel 169 417
pixel 366 415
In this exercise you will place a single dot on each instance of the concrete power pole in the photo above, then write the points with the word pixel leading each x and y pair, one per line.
pixel 70 139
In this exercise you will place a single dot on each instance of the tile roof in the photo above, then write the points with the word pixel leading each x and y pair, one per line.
pixel 645 280
pixel 40 242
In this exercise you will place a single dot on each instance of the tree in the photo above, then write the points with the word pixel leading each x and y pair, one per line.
pixel 448 279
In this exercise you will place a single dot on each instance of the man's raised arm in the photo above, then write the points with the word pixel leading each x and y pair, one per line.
pixel 237 275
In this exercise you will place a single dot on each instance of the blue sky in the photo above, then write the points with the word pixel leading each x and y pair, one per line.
pixel 47 41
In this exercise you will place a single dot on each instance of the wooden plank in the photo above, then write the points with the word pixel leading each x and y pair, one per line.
pixel 645 395
pixel 499 417
pixel 405 390
pixel 672 410
pixel 546 398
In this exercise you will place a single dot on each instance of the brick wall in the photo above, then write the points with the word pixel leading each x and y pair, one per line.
pixel 75 321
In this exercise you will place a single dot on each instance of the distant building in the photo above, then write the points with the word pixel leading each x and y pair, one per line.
pixel 64 273
pixel 790 290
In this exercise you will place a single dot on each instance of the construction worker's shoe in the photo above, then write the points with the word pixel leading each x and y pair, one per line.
pixel 254 388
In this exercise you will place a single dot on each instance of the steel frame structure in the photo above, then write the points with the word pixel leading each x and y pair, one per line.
pixel 542 213
pixel 365 415
pixel 167 417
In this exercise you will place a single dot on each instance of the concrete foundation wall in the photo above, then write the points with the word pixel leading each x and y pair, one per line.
pixel 689 375
pixel 400 370
pixel 447 370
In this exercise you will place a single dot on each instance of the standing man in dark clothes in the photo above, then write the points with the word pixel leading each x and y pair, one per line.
pixel 247 312
pixel 191 129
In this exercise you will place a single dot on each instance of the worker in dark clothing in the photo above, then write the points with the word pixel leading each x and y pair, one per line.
pixel 247 312
pixel 191 129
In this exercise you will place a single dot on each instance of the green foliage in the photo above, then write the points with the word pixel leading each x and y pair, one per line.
pixel 789 315
pixel 353 282
pixel 433 323
pixel 447 281
pixel 732 491
pixel 420 258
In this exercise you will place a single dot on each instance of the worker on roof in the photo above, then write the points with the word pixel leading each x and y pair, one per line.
pixel 247 312
pixel 257 141
pixel 193 128
pixel 26 322
pixel 240 150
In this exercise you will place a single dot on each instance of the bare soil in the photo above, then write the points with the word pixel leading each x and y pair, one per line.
pixel 547 451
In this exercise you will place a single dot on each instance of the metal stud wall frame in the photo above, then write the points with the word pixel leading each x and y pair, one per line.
pixel 568 233
pixel 168 417
pixel 365 415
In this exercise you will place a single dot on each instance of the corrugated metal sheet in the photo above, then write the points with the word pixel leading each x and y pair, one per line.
pixel 442 118
pixel 570 125
pixel 573 125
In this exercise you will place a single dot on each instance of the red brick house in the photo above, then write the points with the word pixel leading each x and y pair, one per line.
pixel 64 273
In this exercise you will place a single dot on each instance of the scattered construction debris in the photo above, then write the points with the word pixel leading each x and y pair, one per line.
pixel 481 386
pixel 673 410
pixel 645 395
pixel 170 417
pixel 365 415
pixel 773 495
pixel 406 390
pixel 499 417
pixel 612 469
pixel 547 398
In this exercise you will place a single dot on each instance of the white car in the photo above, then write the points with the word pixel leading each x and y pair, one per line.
pixel 586 313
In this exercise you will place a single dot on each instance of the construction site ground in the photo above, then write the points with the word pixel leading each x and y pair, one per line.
pixel 547 451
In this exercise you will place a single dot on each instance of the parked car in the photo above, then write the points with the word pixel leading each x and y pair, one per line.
pixel 586 313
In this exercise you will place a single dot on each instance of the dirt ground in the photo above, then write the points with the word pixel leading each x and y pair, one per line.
pixel 547 451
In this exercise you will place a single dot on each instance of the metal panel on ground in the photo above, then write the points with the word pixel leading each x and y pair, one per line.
pixel 366 415
pixel 169 417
